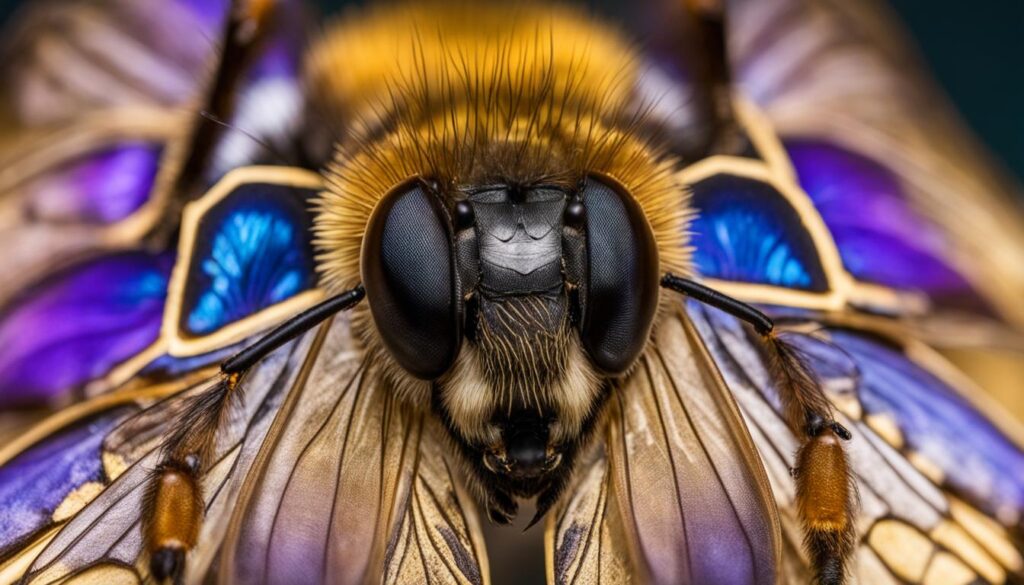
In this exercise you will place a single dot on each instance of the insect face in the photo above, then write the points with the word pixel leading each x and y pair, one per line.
pixel 516 301
pixel 509 227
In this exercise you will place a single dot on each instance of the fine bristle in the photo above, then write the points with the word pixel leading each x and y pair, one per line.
pixel 524 94
pixel 826 494
pixel 801 394
pixel 194 432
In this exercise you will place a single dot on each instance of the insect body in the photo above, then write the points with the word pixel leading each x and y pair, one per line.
pixel 519 264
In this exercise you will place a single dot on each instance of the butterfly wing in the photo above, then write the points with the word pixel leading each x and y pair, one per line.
pixel 244 262
pixel 88 56
pixel 107 531
pixel 93 186
pixel 911 527
pixel 101 109
pixel 317 470
pixel 845 201
pixel 54 472
pixel 95 89
pixel 912 398
pixel 907 193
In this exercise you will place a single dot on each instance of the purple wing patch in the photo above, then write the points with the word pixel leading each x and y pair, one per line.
pixel 209 12
pixel 880 238
pixel 79 324
pixel 977 459
pixel 34 483
pixel 102 187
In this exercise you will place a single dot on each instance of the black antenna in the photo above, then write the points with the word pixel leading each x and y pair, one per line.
pixel 291 329
pixel 759 321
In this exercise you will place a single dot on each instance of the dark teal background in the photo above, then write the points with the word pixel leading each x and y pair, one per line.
pixel 976 51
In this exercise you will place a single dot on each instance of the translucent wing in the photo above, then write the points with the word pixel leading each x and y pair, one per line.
pixel 102 105
pixel 435 537
pixel 61 62
pixel 107 531
pixel 94 111
pixel 54 473
pixel 72 59
pixel 89 188
pixel 317 470
pixel 935 425
pixel 691 494
pixel 53 470
pixel 910 528
pixel 584 538
pixel 350 487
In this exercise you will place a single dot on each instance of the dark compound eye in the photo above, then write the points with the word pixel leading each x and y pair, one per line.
pixel 621 281
pixel 408 271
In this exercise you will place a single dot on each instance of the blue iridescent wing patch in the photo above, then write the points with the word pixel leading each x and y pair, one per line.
pixel 80 323
pixel 256 252
pixel 746 231
pixel 246 246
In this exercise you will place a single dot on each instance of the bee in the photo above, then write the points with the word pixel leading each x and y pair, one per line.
pixel 313 309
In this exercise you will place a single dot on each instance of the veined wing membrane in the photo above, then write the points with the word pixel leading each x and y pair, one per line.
pixel 351 487
pixel 909 529
pixel 693 496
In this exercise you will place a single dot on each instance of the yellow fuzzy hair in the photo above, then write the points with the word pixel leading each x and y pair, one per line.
pixel 477 94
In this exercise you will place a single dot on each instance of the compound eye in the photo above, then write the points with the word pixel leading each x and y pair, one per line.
pixel 408 272
pixel 621 283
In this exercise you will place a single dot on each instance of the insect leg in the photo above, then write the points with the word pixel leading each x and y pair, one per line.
pixel 173 507
pixel 709 296
pixel 825 493
pixel 713 76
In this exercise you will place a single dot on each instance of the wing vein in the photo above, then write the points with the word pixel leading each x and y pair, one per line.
pixel 711 461
pixel 294 466
pixel 342 455
pixel 671 458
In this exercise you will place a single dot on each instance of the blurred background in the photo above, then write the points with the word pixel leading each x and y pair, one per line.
pixel 975 51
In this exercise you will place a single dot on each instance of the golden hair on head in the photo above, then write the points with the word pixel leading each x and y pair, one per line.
pixel 528 93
